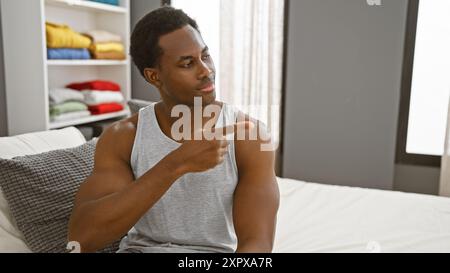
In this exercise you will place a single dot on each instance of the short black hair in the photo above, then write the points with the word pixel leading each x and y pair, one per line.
pixel 145 50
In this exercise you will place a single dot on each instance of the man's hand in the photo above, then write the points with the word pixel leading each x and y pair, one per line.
pixel 202 155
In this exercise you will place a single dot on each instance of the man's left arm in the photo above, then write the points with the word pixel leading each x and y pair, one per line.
pixel 256 198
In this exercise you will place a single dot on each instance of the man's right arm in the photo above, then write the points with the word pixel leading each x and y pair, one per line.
pixel 111 201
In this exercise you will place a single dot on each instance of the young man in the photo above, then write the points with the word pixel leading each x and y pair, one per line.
pixel 167 196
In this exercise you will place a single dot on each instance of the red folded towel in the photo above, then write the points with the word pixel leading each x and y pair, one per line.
pixel 95 85
pixel 105 108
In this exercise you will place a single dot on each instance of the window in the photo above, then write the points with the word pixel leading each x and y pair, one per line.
pixel 426 83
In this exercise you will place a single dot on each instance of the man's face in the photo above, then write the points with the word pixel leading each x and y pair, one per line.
pixel 186 68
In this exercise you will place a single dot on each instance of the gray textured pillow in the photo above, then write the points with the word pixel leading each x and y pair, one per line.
pixel 40 190
pixel 136 105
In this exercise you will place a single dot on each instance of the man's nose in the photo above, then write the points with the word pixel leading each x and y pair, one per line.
pixel 205 70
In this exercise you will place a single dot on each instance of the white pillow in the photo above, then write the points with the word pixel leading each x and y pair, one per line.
pixel 41 142
pixel 11 239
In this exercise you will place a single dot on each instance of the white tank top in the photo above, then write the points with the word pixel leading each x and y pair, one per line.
pixel 195 214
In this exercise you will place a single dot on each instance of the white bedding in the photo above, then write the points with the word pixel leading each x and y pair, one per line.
pixel 323 218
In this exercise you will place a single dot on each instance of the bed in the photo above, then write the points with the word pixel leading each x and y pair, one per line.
pixel 311 218
pixel 324 218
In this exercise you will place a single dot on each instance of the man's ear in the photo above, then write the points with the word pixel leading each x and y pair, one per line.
pixel 152 76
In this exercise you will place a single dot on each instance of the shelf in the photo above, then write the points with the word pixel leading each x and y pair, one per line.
pixel 90 119
pixel 32 94
pixel 85 62
pixel 86 5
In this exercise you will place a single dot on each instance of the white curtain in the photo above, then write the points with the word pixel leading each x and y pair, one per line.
pixel 445 168
pixel 251 58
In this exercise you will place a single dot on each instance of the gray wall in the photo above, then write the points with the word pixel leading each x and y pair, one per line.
pixel 141 88
pixel 343 90
pixel 417 179
pixel 3 121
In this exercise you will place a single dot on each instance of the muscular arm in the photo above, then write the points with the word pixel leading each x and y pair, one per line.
pixel 256 198
pixel 111 201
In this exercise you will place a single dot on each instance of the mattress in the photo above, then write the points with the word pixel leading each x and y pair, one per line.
pixel 324 218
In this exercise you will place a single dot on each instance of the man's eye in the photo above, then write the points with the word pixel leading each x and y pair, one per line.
pixel 206 57
pixel 187 65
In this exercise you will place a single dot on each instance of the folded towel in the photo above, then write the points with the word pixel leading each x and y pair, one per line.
pixel 95 85
pixel 62 36
pixel 109 2
pixel 70 116
pixel 68 54
pixel 107 47
pixel 109 55
pixel 102 36
pixel 93 98
pixel 61 95
pixel 105 108
pixel 67 107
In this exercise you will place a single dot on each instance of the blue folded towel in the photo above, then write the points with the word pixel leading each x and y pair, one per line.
pixel 68 54
pixel 109 2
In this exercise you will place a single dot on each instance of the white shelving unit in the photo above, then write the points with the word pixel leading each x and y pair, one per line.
pixel 85 62
pixel 89 6
pixel 29 75
pixel 90 119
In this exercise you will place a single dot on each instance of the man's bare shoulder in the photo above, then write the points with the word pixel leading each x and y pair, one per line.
pixel 117 139
pixel 252 148
pixel 259 133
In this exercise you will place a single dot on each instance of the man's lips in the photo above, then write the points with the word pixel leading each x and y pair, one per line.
pixel 208 88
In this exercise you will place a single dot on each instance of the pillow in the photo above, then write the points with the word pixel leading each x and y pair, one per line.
pixel 40 142
pixel 11 239
pixel 136 105
pixel 40 190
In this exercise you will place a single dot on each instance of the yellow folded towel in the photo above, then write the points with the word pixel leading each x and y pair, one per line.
pixel 62 36
pixel 109 55
pixel 107 47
